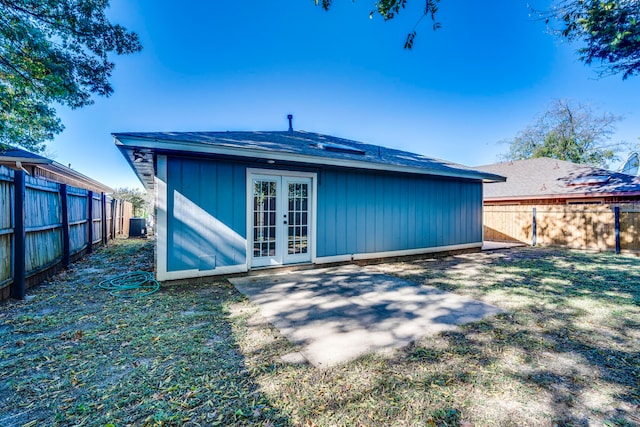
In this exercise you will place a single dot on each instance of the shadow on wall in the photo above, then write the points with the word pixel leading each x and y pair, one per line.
pixel 198 240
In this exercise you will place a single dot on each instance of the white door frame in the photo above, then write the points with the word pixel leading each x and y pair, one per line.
pixel 280 258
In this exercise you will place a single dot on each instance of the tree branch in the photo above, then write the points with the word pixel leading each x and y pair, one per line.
pixel 53 20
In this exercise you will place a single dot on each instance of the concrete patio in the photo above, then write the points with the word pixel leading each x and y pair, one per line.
pixel 338 314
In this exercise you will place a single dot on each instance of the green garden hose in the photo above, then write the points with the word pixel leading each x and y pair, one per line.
pixel 131 285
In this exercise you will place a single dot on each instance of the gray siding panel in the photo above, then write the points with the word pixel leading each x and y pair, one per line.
pixel 206 214
pixel 364 212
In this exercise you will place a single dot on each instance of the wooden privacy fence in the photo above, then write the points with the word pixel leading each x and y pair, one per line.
pixel 600 227
pixel 46 225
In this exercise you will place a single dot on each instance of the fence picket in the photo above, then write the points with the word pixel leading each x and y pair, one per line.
pixel 44 224
pixel 573 226
pixel 6 230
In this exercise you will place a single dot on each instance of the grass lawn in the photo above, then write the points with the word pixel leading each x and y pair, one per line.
pixel 565 352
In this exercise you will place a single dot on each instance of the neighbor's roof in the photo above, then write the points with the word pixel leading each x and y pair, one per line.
pixel 9 154
pixel 544 178
pixel 284 147
pixel 16 158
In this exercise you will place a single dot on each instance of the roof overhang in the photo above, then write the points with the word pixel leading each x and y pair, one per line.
pixel 139 153
pixel 24 160
pixel 82 180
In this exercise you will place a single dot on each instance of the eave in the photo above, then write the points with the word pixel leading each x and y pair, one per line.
pixel 136 151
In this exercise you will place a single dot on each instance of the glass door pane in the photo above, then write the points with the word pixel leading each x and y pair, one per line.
pixel 297 229
pixel 280 220
pixel 264 218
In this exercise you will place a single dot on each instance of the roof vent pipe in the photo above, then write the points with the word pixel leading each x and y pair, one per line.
pixel 290 117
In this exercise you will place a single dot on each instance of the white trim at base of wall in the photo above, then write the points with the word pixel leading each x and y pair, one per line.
pixel 335 258
pixel 400 253
pixel 243 268
pixel 162 276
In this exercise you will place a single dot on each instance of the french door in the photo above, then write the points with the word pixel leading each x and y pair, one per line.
pixel 281 220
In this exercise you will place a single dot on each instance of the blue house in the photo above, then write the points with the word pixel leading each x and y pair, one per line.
pixel 230 202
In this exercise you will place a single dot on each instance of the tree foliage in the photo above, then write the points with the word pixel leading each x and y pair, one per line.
pixel 141 201
pixel 607 29
pixel 388 9
pixel 567 131
pixel 53 51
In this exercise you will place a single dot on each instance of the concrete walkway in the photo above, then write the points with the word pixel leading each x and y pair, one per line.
pixel 338 314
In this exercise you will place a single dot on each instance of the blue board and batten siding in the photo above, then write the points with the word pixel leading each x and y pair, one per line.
pixel 206 202
pixel 358 212
pixel 367 212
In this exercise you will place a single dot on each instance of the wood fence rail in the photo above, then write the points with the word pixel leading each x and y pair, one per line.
pixel 597 227
pixel 45 225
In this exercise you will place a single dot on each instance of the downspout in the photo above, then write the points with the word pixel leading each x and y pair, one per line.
pixel 19 166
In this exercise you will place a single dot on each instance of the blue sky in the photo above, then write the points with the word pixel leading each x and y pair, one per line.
pixel 220 65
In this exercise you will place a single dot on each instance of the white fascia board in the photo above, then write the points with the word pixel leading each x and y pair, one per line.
pixel 28 161
pixel 290 157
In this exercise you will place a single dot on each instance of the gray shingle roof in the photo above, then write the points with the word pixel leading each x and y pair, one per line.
pixel 549 178
pixel 305 147
pixel 9 153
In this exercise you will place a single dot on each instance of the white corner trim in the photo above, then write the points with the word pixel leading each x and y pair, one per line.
pixel 314 216
pixel 193 273
pixel 161 219
pixel 248 215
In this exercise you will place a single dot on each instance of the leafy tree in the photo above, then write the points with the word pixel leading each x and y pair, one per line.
pixel 608 29
pixel 571 132
pixel 141 201
pixel 53 51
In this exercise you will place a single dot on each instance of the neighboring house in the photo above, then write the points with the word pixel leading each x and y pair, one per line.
pixel 41 167
pixel 230 202
pixel 545 181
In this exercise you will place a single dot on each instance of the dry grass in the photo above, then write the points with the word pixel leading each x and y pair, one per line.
pixel 71 354
pixel 565 352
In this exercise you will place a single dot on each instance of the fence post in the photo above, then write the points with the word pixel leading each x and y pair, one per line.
pixel 120 216
pixel 90 222
pixel 104 225
pixel 18 287
pixel 616 215
pixel 534 228
pixel 113 219
pixel 64 204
